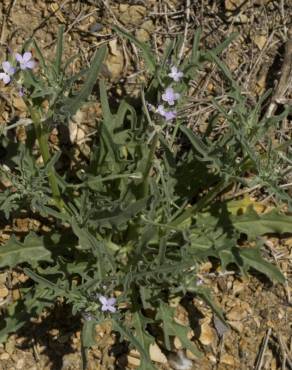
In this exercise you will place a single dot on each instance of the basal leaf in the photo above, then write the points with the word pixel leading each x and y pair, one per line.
pixel 254 224
pixel 88 333
pixel 172 328
pixel 205 294
pixel 253 258
pixel 72 104
pixel 31 251
pixel 139 323
pixel 128 334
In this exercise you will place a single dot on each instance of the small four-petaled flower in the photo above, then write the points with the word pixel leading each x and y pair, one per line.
pixel 25 61
pixel 175 74
pixel 8 71
pixel 170 96
pixel 108 304
pixel 168 115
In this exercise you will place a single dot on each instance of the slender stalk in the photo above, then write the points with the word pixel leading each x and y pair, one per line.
pixel 42 138
pixel 189 212
pixel 154 143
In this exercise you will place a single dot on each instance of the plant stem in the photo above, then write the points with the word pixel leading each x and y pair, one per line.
pixel 203 202
pixel 42 138
pixel 149 163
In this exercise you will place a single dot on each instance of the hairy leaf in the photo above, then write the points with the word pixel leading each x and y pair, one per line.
pixel 254 224
pixel 72 104
pixel 31 251
pixel 172 328
pixel 253 258
pixel 139 323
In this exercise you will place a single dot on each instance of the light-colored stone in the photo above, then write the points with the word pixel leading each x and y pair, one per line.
pixel 142 35
pixel 156 354
pixel 236 314
pixel 134 361
pixel 237 287
pixel 236 325
pixel 115 60
pixel 124 7
pixel 260 41
pixel 133 15
pixel 207 334
pixel 148 26
pixel 233 4
pixel 227 359
pixel 20 364
pixel 4 356
pixel 3 291
pixel 177 343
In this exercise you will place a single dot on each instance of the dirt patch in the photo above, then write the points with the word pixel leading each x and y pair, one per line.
pixel 259 314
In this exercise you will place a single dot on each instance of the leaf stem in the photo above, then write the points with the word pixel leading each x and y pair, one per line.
pixel 42 138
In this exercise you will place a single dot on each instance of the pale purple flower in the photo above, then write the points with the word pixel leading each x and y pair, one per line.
pixel 150 107
pixel 25 61
pixel 170 96
pixel 21 92
pixel 175 74
pixel 168 115
pixel 8 71
pixel 160 110
pixel 107 304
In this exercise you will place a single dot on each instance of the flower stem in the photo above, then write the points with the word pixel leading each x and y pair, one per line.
pixel 42 138
pixel 149 164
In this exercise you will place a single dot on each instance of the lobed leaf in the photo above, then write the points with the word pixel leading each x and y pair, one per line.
pixel 31 250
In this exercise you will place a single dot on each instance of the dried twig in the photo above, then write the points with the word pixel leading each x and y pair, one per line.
pixel 188 5
pixel 287 356
pixel 4 21
pixel 285 79
pixel 263 348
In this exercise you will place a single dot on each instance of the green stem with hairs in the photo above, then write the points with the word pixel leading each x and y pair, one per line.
pixel 149 163
pixel 42 138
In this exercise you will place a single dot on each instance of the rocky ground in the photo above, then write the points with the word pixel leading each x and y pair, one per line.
pixel 259 314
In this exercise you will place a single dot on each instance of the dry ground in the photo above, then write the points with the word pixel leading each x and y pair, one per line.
pixel 259 314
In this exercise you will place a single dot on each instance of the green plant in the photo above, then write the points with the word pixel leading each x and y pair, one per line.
pixel 145 211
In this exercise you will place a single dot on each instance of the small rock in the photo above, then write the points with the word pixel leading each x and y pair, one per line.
pixel 71 360
pixel 115 60
pixel 134 15
pixel 142 35
pixel 236 314
pixel 156 354
pixel 3 291
pixel 227 360
pixel 207 334
pixel 124 7
pixel 260 41
pixel 20 363
pixel 236 325
pixel 237 287
pixel 212 359
pixel 133 360
pixel 190 355
pixel 233 4
pixel 4 356
pixel 177 343
pixel 148 26
pixel 10 346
